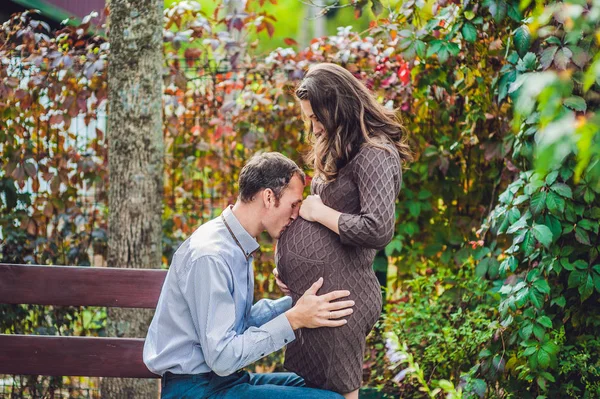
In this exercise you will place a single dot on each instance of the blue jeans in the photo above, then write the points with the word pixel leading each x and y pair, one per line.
pixel 240 385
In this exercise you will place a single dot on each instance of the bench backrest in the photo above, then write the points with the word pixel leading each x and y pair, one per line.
pixel 76 286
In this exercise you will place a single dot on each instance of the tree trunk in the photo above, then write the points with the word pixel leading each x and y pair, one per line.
pixel 135 148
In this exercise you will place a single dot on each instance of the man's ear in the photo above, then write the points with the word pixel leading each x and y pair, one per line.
pixel 268 197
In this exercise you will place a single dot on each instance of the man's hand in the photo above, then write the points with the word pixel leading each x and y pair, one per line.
pixel 312 310
pixel 284 288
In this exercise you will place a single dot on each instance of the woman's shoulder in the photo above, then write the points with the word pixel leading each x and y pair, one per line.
pixel 376 152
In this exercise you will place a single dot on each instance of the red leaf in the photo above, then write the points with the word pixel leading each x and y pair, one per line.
pixel 270 29
pixel 30 169
pixel 49 209
pixel 32 227
pixel 19 173
pixel 290 42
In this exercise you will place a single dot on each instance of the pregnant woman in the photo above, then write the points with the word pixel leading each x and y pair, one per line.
pixel 358 149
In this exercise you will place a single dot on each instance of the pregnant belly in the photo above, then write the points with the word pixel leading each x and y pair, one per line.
pixel 302 252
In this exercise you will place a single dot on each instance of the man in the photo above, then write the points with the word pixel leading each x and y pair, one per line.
pixel 205 328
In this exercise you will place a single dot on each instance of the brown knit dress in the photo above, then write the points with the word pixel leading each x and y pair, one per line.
pixel 365 191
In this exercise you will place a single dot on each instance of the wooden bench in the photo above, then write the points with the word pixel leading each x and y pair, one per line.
pixel 81 286
pixel 76 286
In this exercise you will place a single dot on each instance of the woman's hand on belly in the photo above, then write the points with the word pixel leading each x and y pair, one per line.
pixel 314 210
pixel 284 288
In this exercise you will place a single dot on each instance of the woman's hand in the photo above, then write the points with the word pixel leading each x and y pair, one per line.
pixel 314 210
pixel 310 208
pixel 284 288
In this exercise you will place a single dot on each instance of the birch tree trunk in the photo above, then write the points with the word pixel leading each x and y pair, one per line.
pixel 135 147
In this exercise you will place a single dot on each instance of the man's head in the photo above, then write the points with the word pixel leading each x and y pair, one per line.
pixel 275 183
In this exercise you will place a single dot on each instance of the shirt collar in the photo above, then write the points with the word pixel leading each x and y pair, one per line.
pixel 243 239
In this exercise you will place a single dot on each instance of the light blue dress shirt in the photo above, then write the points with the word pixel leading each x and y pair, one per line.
pixel 205 319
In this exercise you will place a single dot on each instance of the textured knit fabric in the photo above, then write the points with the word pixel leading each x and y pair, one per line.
pixel 365 192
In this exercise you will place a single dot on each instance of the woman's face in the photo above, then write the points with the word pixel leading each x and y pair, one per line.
pixel 317 126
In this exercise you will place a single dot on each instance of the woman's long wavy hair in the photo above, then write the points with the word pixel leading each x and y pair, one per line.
pixel 351 116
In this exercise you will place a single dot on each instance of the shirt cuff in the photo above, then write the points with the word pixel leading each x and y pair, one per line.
pixel 281 305
pixel 280 330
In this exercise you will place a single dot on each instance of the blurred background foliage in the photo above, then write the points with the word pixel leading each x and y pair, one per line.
pixel 492 278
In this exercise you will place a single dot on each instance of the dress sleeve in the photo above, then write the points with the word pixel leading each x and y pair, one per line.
pixel 378 176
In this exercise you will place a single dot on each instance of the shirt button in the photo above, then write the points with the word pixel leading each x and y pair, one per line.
pixel 285 340
pixel 262 354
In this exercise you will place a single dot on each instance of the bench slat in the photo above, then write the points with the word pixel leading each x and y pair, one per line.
pixel 80 286
pixel 72 356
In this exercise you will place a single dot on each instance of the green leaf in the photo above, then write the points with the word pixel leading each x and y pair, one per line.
pixel 504 83
pixel 420 47
pixel 543 234
pixel 482 268
pixel 498 9
pixel 542 286
pixel 591 75
pixel 543 358
pixel 554 224
pixel 577 278
pixel 469 32
pixel 526 331
pixel 536 298
pixel 522 40
pixel 527 63
pixel 575 103
pixel 518 225
pixel 424 194
pixel 550 347
pixel 509 263
pixel 545 321
pixel 530 350
pixel 550 378
pixel 539 332
pixel 555 203
pixel 596 278
pixel 580 264
pixel 528 244
pixel 520 199
pixel 582 236
pixel 538 202
pixel 394 247
pixel 434 47
pixel 560 301
pixel 414 208
pixel 562 189
pixel 588 196
pixel 443 54
pixel 513 12
pixel 446 385
pixel 586 288
pixel 551 178
pixel 453 48
pixel 586 225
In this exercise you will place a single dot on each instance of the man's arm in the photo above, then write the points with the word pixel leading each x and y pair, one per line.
pixel 267 309
pixel 207 286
